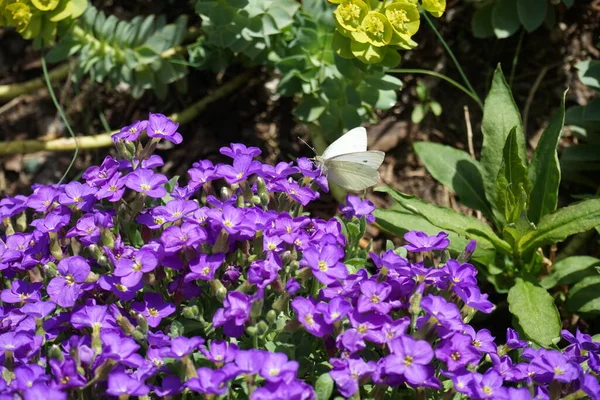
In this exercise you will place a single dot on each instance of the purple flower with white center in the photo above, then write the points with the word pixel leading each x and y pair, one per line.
pixel 394 263
pixel 312 172
pixel 113 189
pixel 145 181
pixel 264 272
pixel 230 218
pixel 292 286
pixel 81 195
pixel 347 373
pixel 281 171
pixel 276 368
pixel 579 344
pixel 54 220
pixel 272 242
pixel 7 255
pixel 373 296
pixel 154 161
pixel 39 309
pixel 234 314
pixel 473 298
pixel 389 331
pixel 457 352
pixel 250 361
pixel 189 234
pixel 590 386
pixel 220 351
pixel 551 365
pixel 462 380
pixel 11 341
pixel 93 316
pixel 27 375
pixel 421 242
pixel 512 340
pixel 65 289
pixel 86 230
pixel 65 373
pixel 41 390
pixel 302 195
pixel 21 292
pixel 410 359
pixel 182 346
pixel 461 274
pixel 99 175
pixel 204 266
pixel 131 270
pixel 130 133
pixel 335 310
pixel 175 209
pixel 325 263
pixel 442 312
pixel 120 348
pixel 235 149
pixel 43 198
pixel 208 382
pixel 482 340
pixel 243 166
pixel 153 308
pixel 356 207
pixel 161 127
pixel 489 385
pixel 120 383
pixel 308 315
pixel 11 206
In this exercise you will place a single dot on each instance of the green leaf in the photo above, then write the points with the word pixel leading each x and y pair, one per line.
pixel 309 109
pixel 385 82
pixel 324 387
pixel 535 311
pixel 585 118
pixel 570 270
pixel 567 221
pixel 418 113
pixel 544 171
pixel 583 296
pixel 532 13
pixel 512 183
pixel 456 170
pixel 589 73
pixel 505 18
pixel 481 24
pixel 500 116
pixel 79 7
pixel 448 219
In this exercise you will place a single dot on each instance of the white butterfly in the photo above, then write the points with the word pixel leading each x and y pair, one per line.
pixel 348 163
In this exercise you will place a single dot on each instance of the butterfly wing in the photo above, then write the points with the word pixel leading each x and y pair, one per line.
pixel 355 171
pixel 354 141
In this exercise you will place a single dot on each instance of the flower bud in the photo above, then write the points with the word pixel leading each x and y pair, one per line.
pixel 54 353
pixel 191 312
pixel 281 303
pixel 219 290
pixel 256 310
pixel 262 327
pixel 108 238
pixel 142 323
pixel 252 331
pixel 8 227
pixel 139 336
pixel 467 252
pixel 50 269
pixel 124 323
pixel 271 317
pixel 22 222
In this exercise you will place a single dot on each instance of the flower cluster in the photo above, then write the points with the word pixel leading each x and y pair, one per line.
pixel 32 18
pixel 369 30
pixel 131 284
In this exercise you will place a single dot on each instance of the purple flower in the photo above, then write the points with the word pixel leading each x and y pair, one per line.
pixel 461 274
pixel 131 270
pixel 21 291
pixel 355 207
pixel 99 175
pixel 263 272
pixel 66 288
pixel 243 167
pixel 41 391
pixel 482 340
pixel 276 368
pixel 280 171
pixel 11 341
pixel 8 255
pixel 457 351
pixel 444 313
pixel 551 365
pixel 153 308
pixel 220 351
pixel 473 298
pixel 82 196
pixel 54 220
pixel 421 242
pixel 335 310
pixel 161 127
pixel 234 314
pixel 410 360
pixel 346 375
pixel 112 189
pixel 116 286
pixel 292 286
pixel 130 133
pixel 373 296
pixel 11 206
pixel 236 149
pixel 175 209
pixel 182 346
pixel 204 266
pixel 208 382
pixel 120 383
pixel 170 386
pixel 86 229
pixel 308 315
pixel 325 263
pixel 250 361
pixel 65 373
pixel 95 317
pixel 513 341
pixel 43 198
pixel 147 182
pixel 189 234
pixel 489 385
pixel 302 195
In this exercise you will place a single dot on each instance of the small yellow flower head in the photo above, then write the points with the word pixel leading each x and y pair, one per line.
pixel 435 7
pixel 45 5
pixel 350 14
pixel 18 15
pixel 377 29
pixel 404 18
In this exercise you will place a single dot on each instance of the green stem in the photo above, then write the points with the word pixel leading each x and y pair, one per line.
pixel 515 60
pixel 441 76
pixel 451 54
pixel 8 92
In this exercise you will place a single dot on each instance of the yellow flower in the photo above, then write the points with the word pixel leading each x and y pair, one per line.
pixel 45 5
pixel 435 7
pixel 350 14
pixel 18 15
pixel 404 18
pixel 377 29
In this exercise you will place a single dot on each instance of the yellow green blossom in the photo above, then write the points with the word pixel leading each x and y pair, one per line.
pixel 18 15
pixel 45 5
pixel 374 29
pixel 350 14
pixel 435 7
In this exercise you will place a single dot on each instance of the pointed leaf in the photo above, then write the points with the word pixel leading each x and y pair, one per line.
pixel 500 115
pixel 571 270
pixel 324 387
pixel 535 311
pixel 564 222
pixel 456 170
pixel 583 297
pixel 532 13
pixel 544 171
pixel 505 18
pixel 481 24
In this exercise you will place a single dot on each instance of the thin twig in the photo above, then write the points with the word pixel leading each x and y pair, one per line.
pixel 104 139
pixel 515 60
pixel 16 89
pixel 531 95
pixel 469 132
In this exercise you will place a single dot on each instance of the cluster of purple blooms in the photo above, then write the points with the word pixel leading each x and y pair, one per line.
pixel 127 284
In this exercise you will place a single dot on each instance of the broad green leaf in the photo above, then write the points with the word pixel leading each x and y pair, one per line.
pixel 450 220
pixel 309 109
pixel 570 270
pixel 505 18
pixel 481 24
pixel 544 171
pixel 583 296
pixel 589 73
pixel 418 113
pixel 512 183
pixel 535 311
pixel 500 116
pixel 567 221
pixel 456 170
pixel 324 387
pixel 585 120
pixel 532 13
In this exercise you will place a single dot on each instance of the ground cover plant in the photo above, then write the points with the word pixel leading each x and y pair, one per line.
pixel 194 248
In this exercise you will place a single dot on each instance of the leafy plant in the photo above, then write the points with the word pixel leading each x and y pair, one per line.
pixel 142 53
pixel 502 18
pixel 518 196
pixel 39 18
pixel 425 104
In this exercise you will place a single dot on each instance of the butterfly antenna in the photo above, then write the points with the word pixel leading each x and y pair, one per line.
pixel 309 146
